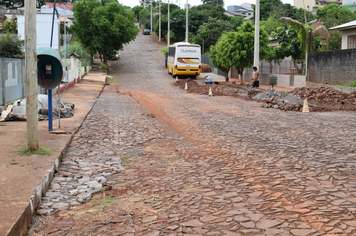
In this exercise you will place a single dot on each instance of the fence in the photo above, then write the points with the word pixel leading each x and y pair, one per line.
pixel 285 66
pixel 206 60
pixel 13 70
pixel 12 79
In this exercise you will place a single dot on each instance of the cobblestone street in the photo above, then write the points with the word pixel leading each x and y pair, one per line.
pixel 176 163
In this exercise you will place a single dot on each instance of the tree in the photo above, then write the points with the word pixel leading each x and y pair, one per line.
pixel 236 22
pixel 211 31
pixel 299 15
pixel 136 10
pixel 214 2
pixel 266 6
pixel 306 34
pixel 237 49
pixel 9 26
pixel 103 28
pixel 11 45
pixel 334 14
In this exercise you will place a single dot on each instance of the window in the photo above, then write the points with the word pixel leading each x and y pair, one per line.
pixel 351 41
pixel 172 51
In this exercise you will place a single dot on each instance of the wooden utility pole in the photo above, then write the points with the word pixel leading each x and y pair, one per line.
pixel 159 37
pixel 31 75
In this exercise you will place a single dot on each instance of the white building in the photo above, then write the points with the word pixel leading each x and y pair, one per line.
pixel 348 31
pixel 43 29
pixel 236 10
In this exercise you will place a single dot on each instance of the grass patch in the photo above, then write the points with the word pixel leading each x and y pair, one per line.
pixel 105 202
pixel 125 158
pixel 348 84
pixel 164 50
pixel 42 151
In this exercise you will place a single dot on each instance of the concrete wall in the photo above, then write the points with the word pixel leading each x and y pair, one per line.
pixel 332 67
pixel 299 81
pixel 283 80
pixel 345 34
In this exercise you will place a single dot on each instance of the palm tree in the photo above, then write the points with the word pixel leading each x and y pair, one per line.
pixel 306 34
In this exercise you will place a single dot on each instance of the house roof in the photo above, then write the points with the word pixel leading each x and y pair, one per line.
pixel 69 6
pixel 346 26
pixel 60 11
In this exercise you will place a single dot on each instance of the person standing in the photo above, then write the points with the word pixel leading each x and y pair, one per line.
pixel 255 81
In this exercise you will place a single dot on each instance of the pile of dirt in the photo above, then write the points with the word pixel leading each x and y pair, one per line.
pixel 218 90
pixel 328 99
pixel 205 68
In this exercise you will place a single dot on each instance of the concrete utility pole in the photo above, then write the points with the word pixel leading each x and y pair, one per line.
pixel 186 23
pixel 169 28
pixel 151 16
pixel 159 37
pixel 31 75
pixel 256 59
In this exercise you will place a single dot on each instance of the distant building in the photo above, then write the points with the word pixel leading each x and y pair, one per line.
pixel 349 4
pixel 236 10
pixel 313 5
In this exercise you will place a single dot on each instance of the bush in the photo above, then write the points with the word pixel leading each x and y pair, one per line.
pixel 11 45
pixel 77 48
pixel 103 66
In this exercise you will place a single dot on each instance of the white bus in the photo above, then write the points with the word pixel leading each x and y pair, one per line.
pixel 184 59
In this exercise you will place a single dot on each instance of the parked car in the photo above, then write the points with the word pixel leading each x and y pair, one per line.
pixel 146 31
pixel 115 55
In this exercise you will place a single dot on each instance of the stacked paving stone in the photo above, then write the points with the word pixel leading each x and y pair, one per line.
pixel 95 151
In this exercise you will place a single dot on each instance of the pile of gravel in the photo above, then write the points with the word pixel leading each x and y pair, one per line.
pixel 278 96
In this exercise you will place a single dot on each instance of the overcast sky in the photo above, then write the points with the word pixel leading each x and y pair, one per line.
pixel 133 3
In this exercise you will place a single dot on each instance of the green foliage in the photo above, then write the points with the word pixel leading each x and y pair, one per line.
pixel 103 28
pixel 164 50
pixel 335 40
pixel 266 6
pixel 211 31
pixel 349 84
pixel 136 10
pixel 289 45
pixel 299 15
pixel 236 22
pixel 334 14
pixel 306 34
pixel 145 19
pixel 77 48
pixel 237 49
pixel 25 151
pixel 103 66
pixel 9 27
pixel 214 2
pixel 11 45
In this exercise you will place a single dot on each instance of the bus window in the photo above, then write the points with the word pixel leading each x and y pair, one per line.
pixel 171 51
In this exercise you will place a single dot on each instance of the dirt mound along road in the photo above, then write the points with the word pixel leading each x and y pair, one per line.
pixel 195 87
pixel 328 99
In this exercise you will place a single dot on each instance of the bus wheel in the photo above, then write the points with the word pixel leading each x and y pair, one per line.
pixel 193 76
pixel 173 75
pixel 169 72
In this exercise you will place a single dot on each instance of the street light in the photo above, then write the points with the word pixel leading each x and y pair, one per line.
pixel 256 58
pixel 169 38
pixel 186 24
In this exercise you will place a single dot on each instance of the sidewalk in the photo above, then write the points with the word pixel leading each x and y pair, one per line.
pixel 24 179
pixel 221 79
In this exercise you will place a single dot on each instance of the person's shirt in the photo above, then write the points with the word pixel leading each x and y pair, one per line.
pixel 256 74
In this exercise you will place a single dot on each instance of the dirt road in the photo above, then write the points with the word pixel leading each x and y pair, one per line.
pixel 197 165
